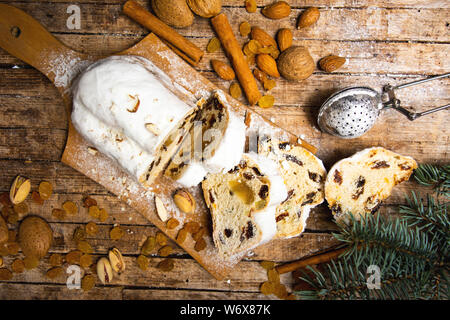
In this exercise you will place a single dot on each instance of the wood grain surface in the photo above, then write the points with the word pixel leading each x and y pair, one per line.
pixel 384 42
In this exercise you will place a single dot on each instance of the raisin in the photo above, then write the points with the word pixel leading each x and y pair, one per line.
pixel 85 247
pixel 248 176
pixel 293 159
pixel 18 266
pixel 314 176
pixel 200 245
pixel 70 208
pixel 256 170
pixel 37 198
pixel 235 90
pixel 359 187
pixel 165 251
pixel 161 239
pixel 59 214
pixel 360 182
pixel 267 288
pixel 192 227
pixel 166 265
pixel 264 192
pixel 338 177
pixel 56 260
pixel 89 202
pixel 291 193
pixel 283 145
pixel 250 6
pixel 103 215
pixel 86 260
pixel 142 262
pixel 148 246
pixel 228 232
pixel 91 228
pixel 45 190
pixel 172 223
pixel 199 234
pixel 73 257
pixel 54 273
pixel 266 101
pixel 273 275
pixel 281 216
pixel 116 233
pixel 79 234
pixel 267 265
pixel 21 208
pixel 280 291
pixel 336 209
pixel 88 282
pixel 213 45
pixel 5 274
pixel 249 230
pixel 380 165
pixel 30 262
pixel 94 212
pixel 404 166
pixel 182 235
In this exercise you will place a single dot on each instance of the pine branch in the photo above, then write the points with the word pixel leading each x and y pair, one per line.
pixel 437 177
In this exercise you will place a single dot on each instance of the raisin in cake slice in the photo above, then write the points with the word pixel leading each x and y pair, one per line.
pixel 241 206
pixel 304 176
pixel 360 183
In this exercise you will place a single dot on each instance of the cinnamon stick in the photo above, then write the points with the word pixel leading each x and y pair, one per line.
pixel 320 258
pixel 139 14
pixel 232 48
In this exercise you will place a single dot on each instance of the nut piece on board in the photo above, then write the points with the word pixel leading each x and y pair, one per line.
pixel 184 201
pixel 161 210
pixel 295 63
pixel 308 17
pixel 116 260
pixel 277 10
pixel 284 38
pixel 205 8
pixel 104 271
pixel 331 63
pixel 267 64
pixel 20 189
pixel 175 13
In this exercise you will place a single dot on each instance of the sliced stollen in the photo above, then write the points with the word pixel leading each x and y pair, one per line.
pixel 128 109
pixel 360 183
pixel 240 205
pixel 304 176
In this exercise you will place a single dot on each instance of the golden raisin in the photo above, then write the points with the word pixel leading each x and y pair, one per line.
pixel 21 208
pixel 260 75
pixel 59 214
pixel 267 265
pixel 56 260
pixel 250 6
pixel 245 28
pixel 5 274
pixel 182 235
pixel 88 282
pixel 254 46
pixel 79 234
pixel 166 265
pixel 54 273
pixel 45 190
pixel 85 260
pixel 3 249
pixel 73 257
pixel 84 247
pixel 172 223
pixel 191 227
pixel 269 84
pixel 37 198
pixel 142 262
pixel 116 233
pixel 266 101
pixel 89 202
pixel 161 239
pixel 199 234
pixel 70 208
pixel 30 262
pixel 200 245
pixel 246 50
pixel 13 248
pixel 267 288
pixel 165 251
pixel 280 291
pixel 235 90
pixel 213 45
pixel 273 276
pixel 91 228
pixel 148 246
pixel 18 266
pixel 94 212
pixel 103 215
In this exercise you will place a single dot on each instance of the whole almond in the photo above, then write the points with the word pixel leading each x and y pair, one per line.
pixel 262 37
pixel 308 17
pixel 184 201
pixel 267 64
pixel 20 189
pixel 284 38
pixel 277 10
pixel 223 70
pixel 331 63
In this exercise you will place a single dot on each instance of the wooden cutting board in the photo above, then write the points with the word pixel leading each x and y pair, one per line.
pixel 25 38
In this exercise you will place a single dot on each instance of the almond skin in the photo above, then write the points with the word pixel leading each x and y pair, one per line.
pixel 308 17
pixel 277 10
pixel 223 70
pixel 175 13
pixel 262 37
pixel 331 63
pixel 284 38
pixel 267 64
pixel 205 8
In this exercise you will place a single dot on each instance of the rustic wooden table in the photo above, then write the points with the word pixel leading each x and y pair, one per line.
pixel 384 41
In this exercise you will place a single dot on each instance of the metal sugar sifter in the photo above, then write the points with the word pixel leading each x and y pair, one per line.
pixel 351 112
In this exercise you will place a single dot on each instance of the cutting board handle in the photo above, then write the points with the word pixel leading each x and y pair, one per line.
pixel 25 38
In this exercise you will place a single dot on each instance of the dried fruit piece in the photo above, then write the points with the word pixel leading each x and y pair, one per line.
pixel 13 218
pixel 267 265
pixel 245 28
pixel 250 6
pixel 273 276
pixel 223 70
pixel 213 45
pixel 205 8
pixel 308 18
pixel 73 257
pixel 277 10
pixel 104 271
pixel 182 235
pixel 45 190
pixel 70 208
pixel 88 282
pixel 116 260
pixel 59 214
pixel 89 202
pixel 103 215
pixel 161 239
pixel 199 234
pixel 56 260
pixel 94 212
pixel 142 262
pixel 79 234
pixel 13 248
pixel 267 288
pixel 30 262
pixel 18 266
pixel 280 291
pixel 3 249
pixel 148 246
pixel 266 101
pixel 184 201
pixel 21 208
pixel 166 265
pixel 116 233
pixel 37 198
pixel 260 75
pixel 267 64
pixel 200 245
pixel 5 274
pixel 235 90
pixel 191 227
pixel 161 210
pixel 165 251
pixel 85 247
pixel 86 261
pixel 20 189
pixel 91 228
pixel 254 46
pixel 269 84
pixel 172 223
pixel 284 39
pixel 54 273
pixel 331 63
